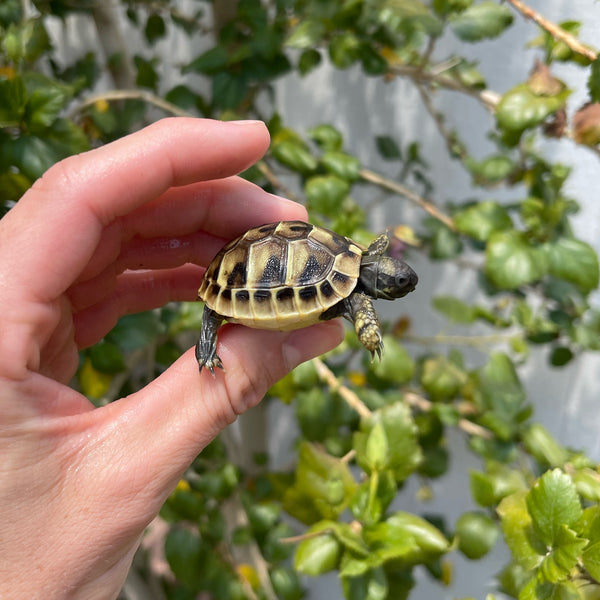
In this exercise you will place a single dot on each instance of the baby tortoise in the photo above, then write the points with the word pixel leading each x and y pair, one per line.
pixel 292 274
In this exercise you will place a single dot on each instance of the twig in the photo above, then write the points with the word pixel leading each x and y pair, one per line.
pixel 266 170
pixel 398 188
pixel 467 426
pixel 305 536
pixel 488 98
pixel 453 144
pixel 558 33
pixel 474 341
pixel 336 386
pixel 146 96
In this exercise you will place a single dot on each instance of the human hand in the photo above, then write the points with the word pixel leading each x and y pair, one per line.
pixel 117 230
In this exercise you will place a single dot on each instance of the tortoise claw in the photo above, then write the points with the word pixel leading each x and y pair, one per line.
pixel 378 349
pixel 210 364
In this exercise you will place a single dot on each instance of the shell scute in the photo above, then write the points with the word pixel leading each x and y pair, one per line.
pixel 281 275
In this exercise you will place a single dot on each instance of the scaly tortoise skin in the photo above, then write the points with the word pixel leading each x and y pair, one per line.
pixel 292 274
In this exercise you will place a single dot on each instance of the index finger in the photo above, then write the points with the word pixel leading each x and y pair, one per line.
pixel 58 223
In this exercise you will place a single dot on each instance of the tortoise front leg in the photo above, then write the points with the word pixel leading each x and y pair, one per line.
pixel 366 323
pixel 206 347
pixel 379 245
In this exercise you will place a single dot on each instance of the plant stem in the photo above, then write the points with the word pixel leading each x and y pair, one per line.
pixel 398 188
pixel 116 95
pixel 558 33
pixel 336 386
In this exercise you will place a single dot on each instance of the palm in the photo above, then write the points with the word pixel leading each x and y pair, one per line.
pixel 121 229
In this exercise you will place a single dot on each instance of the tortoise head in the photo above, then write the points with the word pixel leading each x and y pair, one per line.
pixel 386 277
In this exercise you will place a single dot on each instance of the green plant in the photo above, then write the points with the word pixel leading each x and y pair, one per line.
pixel 364 429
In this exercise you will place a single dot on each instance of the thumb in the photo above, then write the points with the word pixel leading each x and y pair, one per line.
pixel 173 418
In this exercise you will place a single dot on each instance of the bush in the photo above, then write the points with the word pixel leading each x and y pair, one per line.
pixel 364 430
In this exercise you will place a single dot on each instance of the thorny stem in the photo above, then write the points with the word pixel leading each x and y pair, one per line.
pixel 558 33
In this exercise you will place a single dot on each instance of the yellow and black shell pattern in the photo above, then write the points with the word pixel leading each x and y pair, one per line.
pixel 281 276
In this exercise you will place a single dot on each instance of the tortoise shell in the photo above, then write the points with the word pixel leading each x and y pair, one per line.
pixel 281 276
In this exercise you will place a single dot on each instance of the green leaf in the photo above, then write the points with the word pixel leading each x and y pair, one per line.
pixel 593 83
pixel 396 366
pixel 520 108
pixel 11 12
pixel 480 21
pixel 186 556
pixel 536 590
pixel 228 90
pixel 454 309
pixel 182 96
pixel 372 61
pixel 147 75
pixel 107 357
pixel 373 496
pixel 372 585
pixel 343 165
pixel 511 261
pixel 327 136
pixel 388 440
pixel 26 41
pixel 211 62
pixel 500 394
pixel 480 220
pixel 587 484
pixel 493 169
pixel 12 101
pixel 591 554
pixel 526 547
pixel 574 261
pixel 33 156
pixel 445 244
pixel 553 503
pixel 543 447
pixel 344 50
pixel 376 448
pixel 477 534
pixel 441 378
pixel 13 186
pixel 406 538
pixel 317 555
pixel 560 356
pixel 498 481
pixel 135 331
pixel 293 155
pixel 323 486
pixel 155 28
pixel 306 35
pixel 45 101
pixel 402 15
pixel 309 60
pixel 325 193
pixel 387 147
pixel 564 555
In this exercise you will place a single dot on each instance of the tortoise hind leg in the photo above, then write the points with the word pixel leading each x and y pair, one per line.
pixel 206 347
pixel 361 313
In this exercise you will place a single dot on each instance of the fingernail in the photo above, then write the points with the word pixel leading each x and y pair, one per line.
pixel 245 122
pixel 304 344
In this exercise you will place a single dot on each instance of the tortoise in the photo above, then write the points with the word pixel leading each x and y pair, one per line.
pixel 291 274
